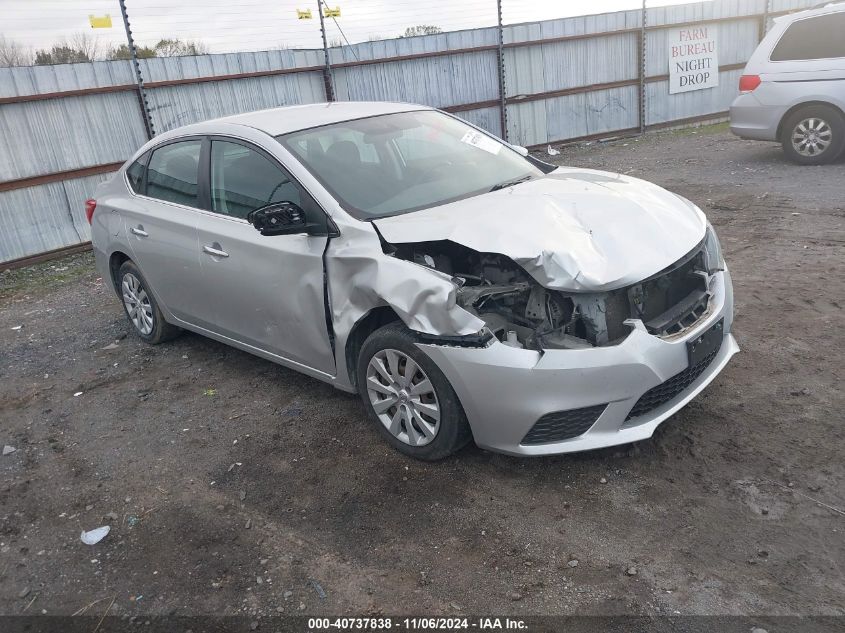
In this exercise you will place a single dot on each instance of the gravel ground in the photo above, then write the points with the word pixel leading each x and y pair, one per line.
pixel 234 486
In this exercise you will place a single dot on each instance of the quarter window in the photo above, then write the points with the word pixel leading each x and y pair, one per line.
pixel 243 180
pixel 135 173
pixel 812 38
pixel 172 173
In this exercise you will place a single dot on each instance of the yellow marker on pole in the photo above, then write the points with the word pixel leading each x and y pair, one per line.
pixel 332 13
pixel 103 22
pixel 303 15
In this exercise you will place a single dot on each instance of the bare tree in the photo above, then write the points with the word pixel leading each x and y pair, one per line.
pixel 13 53
pixel 89 45
pixel 79 47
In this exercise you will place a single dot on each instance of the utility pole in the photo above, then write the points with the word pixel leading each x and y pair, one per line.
pixel 327 71
pixel 142 97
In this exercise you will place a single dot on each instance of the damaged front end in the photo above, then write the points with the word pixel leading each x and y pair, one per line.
pixel 521 313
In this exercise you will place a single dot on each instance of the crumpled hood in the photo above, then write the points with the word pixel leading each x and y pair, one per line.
pixel 577 230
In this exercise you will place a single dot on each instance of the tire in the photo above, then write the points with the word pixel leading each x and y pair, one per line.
pixel 148 322
pixel 824 124
pixel 412 399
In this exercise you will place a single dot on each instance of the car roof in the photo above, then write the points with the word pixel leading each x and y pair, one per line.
pixel 831 7
pixel 275 121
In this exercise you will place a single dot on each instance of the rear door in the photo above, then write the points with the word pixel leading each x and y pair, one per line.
pixel 266 292
pixel 160 224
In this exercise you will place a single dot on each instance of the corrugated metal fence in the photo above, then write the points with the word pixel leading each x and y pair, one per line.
pixel 64 128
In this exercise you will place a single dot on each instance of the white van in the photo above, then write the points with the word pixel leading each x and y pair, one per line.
pixel 793 87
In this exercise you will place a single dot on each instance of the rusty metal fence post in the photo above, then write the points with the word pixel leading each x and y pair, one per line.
pixel 327 69
pixel 503 112
pixel 642 67
pixel 142 95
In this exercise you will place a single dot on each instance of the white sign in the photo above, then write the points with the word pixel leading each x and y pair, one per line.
pixel 479 140
pixel 693 59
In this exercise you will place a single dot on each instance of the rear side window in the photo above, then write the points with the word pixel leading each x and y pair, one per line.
pixel 135 173
pixel 172 173
pixel 812 38
pixel 242 180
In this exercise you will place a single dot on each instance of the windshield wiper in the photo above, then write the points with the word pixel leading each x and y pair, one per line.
pixel 510 183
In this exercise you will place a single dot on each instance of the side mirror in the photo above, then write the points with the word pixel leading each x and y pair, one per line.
pixel 522 151
pixel 279 218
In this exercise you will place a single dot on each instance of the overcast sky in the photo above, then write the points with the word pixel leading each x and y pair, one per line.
pixel 232 25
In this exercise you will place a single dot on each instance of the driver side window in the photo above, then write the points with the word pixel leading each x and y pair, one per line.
pixel 243 180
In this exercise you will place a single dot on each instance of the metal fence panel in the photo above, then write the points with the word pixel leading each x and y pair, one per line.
pixel 573 116
pixel 436 81
pixel 44 218
pixel 440 81
pixel 29 80
pixel 556 66
pixel 485 118
pixel 43 137
pixel 58 134
pixel 714 101
pixel 173 106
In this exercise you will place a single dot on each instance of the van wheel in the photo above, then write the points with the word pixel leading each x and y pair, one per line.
pixel 141 308
pixel 407 396
pixel 813 135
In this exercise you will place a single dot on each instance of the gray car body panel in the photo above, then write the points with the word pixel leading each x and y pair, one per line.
pixel 579 230
pixel 786 84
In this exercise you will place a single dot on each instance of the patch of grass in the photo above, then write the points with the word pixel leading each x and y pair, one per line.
pixel 713 128
pixel 46 275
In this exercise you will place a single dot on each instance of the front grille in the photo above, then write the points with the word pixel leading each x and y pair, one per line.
pixel 667 390
pixel 562 425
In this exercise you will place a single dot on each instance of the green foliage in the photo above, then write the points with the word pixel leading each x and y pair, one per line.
pixel 61 54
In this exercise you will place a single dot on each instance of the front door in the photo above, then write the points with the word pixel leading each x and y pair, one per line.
pixel 266 292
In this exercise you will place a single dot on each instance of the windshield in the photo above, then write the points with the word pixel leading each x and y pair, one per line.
pixel 396 163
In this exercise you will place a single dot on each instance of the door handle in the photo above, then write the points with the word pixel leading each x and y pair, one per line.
pixel 139 231
pixel 215 250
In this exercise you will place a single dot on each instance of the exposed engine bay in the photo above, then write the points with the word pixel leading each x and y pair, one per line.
pixel 521 313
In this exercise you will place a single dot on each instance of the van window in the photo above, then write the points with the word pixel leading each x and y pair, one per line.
pixel 812 38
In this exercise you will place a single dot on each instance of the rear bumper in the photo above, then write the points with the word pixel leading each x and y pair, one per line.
pixel 752 120
pixel 505 391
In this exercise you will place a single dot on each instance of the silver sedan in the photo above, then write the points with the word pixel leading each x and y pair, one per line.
pixel 466 290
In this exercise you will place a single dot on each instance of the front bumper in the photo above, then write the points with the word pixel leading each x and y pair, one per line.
pixel 504 390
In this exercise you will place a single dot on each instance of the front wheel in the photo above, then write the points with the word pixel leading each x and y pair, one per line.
pixel 407 396
pixel 813 135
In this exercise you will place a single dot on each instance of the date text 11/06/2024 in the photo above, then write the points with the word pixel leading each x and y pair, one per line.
pixel 417 624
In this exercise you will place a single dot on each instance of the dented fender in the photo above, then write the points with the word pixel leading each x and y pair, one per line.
pixel 361 277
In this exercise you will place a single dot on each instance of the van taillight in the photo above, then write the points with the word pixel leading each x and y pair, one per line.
pixel 747 83
pixel 90 206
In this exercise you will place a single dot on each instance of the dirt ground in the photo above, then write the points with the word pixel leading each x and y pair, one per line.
pixel 234 486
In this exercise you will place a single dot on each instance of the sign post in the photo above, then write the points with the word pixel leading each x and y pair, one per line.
pixel 693 59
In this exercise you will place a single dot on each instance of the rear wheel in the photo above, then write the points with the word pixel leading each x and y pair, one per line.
pixel 141 308
pixel 407 396
pixel 813 135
